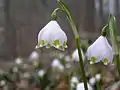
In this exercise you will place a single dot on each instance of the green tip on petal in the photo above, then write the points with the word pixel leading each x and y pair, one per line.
pixel 92 60
pixel 48 45
pixel 56 43
pixel 61 48
pixel 41 43
pixel 105 61
pixel 65 45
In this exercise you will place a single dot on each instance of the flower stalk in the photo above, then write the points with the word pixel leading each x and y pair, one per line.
pixel 113 35
pixel 67 12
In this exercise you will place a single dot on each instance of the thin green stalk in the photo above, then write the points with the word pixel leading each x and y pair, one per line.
pixel 81 63
pixel 98 85
pixel 77 38
pixel 68 81
pixel 64 8
pixel 113 35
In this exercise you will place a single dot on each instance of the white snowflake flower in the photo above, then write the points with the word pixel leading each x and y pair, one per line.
pixel 74 81
pixel 34 55
pixel 41 73
pixel 18 61
pixel 52 35
pixel 75 55
pixel 98 77
pixel 56 64
pixel 92 81
pixel 80 86
pixel 100 50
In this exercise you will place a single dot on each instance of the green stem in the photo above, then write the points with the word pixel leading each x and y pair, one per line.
pixel 112 28
pixel 68 81
pixel 81 63
pixel 54 13
pixel 98 85
pixel 64 8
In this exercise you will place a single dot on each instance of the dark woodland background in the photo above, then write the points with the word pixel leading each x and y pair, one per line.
pixel 21 20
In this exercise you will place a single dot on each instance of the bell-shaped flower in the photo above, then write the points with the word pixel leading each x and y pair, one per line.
pixel 41 73
pixel 100 50
pixel 52 35
pixel 74 81
pixel 34 56
pixel 75 55
pixel 56 65
pixel 80 86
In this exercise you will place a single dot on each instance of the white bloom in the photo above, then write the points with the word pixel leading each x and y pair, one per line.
pixel 75 55
pixel 15 69
pixel 2 83
pixel 67 58
pixel 41 73
pixel 34 55
pixel 92 81
pixel 57 65
pixel 18 61
pixel 100 50
pixel 52 35
pixel 74 81
pixel 80 86
pixel 98 77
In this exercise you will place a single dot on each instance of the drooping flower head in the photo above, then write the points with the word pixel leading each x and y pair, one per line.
pixel 100 50
pixel 52 35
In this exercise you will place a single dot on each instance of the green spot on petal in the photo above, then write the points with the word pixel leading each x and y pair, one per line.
pixel 65 45
pixel 105 61
pixel 61 48
pixel 93 59
pixel 48 46
pixel 56 43
pixel 42 42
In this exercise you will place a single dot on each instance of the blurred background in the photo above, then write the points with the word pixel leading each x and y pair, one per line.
pixel 20 23
pixel 21 20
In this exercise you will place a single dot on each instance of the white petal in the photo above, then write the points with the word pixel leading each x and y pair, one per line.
pixel 55 63
pixel 52 32
pixel 100 49
pixel 75 55
pixel 34 55
pixel 74 81
pixel 80 86
pixel 41 73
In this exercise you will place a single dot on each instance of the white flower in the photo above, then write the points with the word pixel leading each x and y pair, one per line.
pixel 18 61
pixel 98 77
pixel 2 83
pixel 34 55
pixel 52 35
pixel 41 73
pixel 15 69
pixel 100 50
pixel 92 81
pixel 80 86
pixel 57 65
pixel 74 81
pixel 67 58
pixel 75 55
